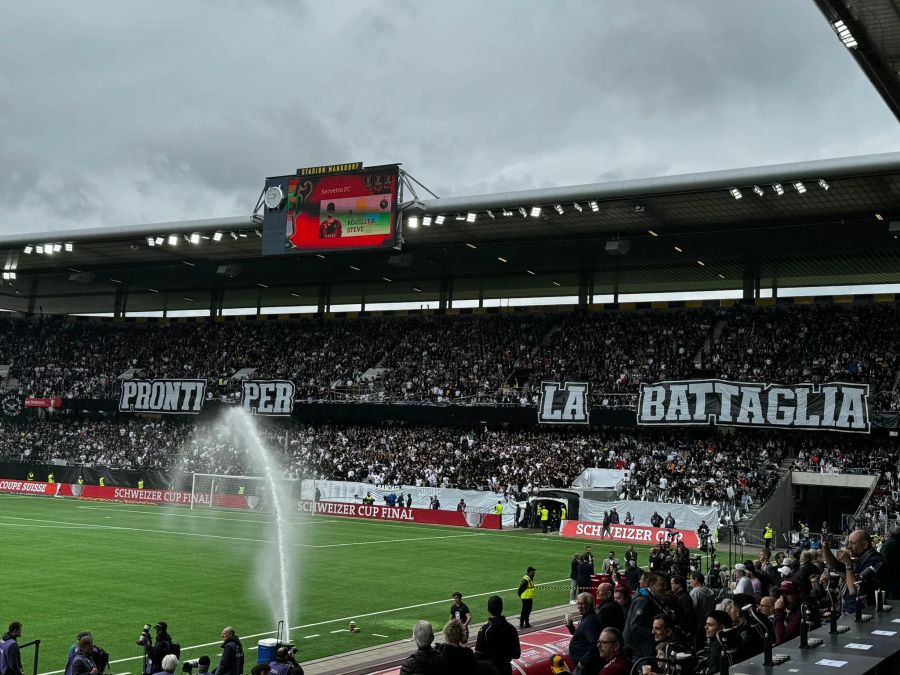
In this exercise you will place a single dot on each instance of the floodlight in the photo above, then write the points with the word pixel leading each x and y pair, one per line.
pixel 799 187
pixel 758 190
pixel 39 249
pixel 217 236
pixel 28 249
pixel 736 193
pixel 559 209
pixel 426 221
pixel 439 220
pixel 594 206
pixel 578 207
pixel 195 238
pixel 470 217
pixel 778 189
pixel 151 241
pixel 535 211
pixel 413 222
pixel 523 212
pixel 57 248
pixel 173 240
pixel 824 184
pixel 159 241
pixel 507 212
pixel 69 247
pixel 490 214
pixel 844 34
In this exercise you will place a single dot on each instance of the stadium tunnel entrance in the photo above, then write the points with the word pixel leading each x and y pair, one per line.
pixel 554 501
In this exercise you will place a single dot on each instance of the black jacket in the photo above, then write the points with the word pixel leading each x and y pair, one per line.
pixel 458 660
pixel 583 645
pixel 232 660
pixel 12 657
pixel 424 661
pixel 82 663
pixel 611 615
pixel 498 642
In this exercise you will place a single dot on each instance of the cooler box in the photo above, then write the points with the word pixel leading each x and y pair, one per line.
pixel 267 650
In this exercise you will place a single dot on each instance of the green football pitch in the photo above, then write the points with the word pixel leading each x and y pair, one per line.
pixel 71 565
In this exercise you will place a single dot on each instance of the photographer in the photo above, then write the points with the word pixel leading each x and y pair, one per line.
pixel 611 565
pixel 232 660
pixel 98 656
pixel 156 652
pixel 285 663
pixel 82 662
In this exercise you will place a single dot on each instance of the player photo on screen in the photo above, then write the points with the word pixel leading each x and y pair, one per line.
pixel 356 217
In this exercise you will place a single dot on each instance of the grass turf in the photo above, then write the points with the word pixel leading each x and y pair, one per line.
pixel 72 565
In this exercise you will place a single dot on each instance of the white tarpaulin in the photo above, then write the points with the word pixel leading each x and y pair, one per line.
pixel 477 501
pixel 600 478
pixel 687 516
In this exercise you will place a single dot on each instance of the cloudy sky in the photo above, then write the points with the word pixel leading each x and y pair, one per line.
pixel 115 113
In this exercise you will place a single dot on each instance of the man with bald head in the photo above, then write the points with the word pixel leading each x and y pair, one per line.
pixel 609 611
pixel 583 649
pixel 232 660
pixel 853 562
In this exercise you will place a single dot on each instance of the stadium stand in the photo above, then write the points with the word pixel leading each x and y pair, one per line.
pixel 467 359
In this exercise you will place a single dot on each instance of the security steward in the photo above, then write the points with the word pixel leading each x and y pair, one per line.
pixel 768 536
pixel 526 593
pixel 545 518
pixel 498 509
pixel 232 660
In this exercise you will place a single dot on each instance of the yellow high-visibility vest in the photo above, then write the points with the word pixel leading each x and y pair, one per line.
pixel 498 509
pixel 769 533
pixel 545 514
pixel 140 485
pixel 563 513
pixel 102 482
pixel 528 593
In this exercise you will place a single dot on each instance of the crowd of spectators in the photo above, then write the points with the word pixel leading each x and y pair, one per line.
pixel 686 466
pixel 486 359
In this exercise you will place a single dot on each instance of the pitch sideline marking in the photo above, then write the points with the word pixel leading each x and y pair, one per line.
pixel 325 623
pixel 222 536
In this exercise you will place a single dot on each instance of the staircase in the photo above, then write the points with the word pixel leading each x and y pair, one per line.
pixel 783 470
pixel 709 342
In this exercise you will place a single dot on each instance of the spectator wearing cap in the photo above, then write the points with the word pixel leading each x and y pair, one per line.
pixel 787 612
pixel 743 584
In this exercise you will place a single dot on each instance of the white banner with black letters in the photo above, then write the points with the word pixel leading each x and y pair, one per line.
pixel 563 403
pixel 831 406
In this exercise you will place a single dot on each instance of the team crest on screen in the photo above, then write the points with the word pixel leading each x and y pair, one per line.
pixel 563 404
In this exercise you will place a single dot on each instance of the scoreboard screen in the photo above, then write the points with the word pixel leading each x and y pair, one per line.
pixel 337 207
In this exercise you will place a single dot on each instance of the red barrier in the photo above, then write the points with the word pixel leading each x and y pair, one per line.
pixel 28 487
pixel 632 534
pixel 489 521
pixel 136 496
pixel 537 648
pixel 121 494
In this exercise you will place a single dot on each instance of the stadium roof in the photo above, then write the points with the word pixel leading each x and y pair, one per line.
pixel 683 233
pixel 870 29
